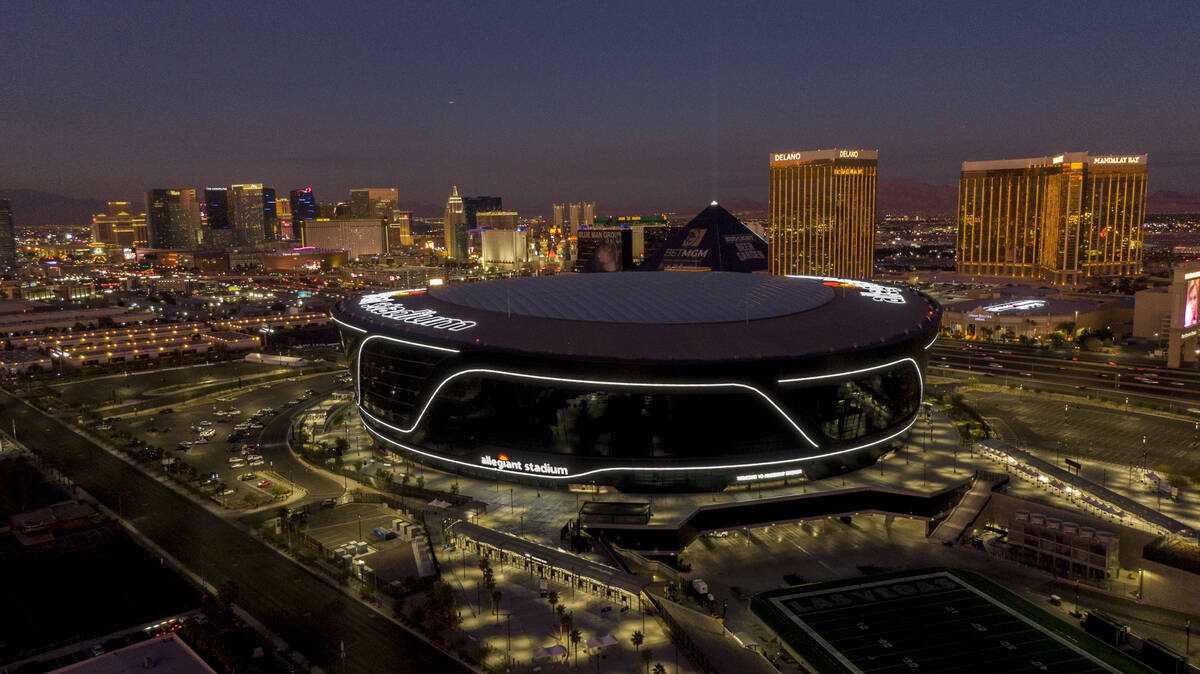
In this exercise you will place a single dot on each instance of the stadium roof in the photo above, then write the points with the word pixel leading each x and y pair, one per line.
pixel 642 298
pixel 664 316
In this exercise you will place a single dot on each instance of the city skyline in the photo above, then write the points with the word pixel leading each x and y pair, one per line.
pixel 929 91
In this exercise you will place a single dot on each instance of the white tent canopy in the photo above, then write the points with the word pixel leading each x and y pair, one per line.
pixel 554 651
pixel 601 642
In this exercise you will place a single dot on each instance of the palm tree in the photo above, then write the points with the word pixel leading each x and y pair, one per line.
pixel 496 605
pixel 647 655
pixel 575 637
pixel 659 669
pixel 561 612
pixel 637 640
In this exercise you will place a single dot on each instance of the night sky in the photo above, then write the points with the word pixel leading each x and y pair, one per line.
pixel 628 104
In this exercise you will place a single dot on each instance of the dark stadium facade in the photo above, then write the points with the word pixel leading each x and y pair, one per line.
pixel 667 381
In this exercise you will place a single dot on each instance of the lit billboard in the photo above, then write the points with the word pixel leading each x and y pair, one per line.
pixel 602 250
pixel 1191 305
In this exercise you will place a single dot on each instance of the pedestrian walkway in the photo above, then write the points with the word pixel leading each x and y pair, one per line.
pixel 952 528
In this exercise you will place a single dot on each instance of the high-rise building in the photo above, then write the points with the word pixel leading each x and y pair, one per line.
pixel 1060 218
pixel 358 237
pixel 455 222
pixel 822 213
pixel 473 205
pixel 246 213
pixel 497 219
pixel 399 231
pixel 120 226
pixel 283 212
pixel 172 219
pixel 304 208
pixel 373 202
pixel 557 219
pixel 270 215
pixel 8 243
pixel 217 230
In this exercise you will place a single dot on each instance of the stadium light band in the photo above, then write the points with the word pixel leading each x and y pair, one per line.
pixel 641 469
pixel 916 367
pixel 564 380
pixel 931 342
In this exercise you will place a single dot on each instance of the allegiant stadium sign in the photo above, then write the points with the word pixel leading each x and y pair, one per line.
pixel 381 305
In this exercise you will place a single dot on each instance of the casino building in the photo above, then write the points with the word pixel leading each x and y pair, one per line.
pixel 667 381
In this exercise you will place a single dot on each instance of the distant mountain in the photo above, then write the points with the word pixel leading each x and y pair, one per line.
pixel 901 196
pixel 1165 201
pixel 31 207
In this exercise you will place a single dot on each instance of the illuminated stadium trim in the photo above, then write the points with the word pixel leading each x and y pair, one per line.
pixel 930 344
pixel 642 469
pixel 860 371
pixel 874 291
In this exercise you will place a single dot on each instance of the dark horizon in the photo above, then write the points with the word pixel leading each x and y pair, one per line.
pixel 626 106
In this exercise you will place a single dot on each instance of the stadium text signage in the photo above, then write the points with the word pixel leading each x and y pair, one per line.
pixel 502 462
pixel 848 154
pixel 867 594
pixel 1019 305
pixel 1117 160
pixel 381 304
pixel 788 156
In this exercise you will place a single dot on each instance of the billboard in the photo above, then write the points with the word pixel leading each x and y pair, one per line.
pixel 602 250
pixel 1191 304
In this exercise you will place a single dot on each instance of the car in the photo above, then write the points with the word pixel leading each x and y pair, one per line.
pixel 248 477
pixel 205 422
pixel 96 650
pixel 329 503
pixel 202 440
pixel 183 446
pixel 1026 374
pixel 255 463
pixel 256 425
pixel 103 427
pixel 166 410
pixel 226 492
pixel 264 483
pixel 995 365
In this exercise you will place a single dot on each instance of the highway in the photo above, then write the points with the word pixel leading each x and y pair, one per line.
pixel 1115 378
pixel 302 609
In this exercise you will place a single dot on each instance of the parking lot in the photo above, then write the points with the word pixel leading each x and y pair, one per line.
pixel 221 438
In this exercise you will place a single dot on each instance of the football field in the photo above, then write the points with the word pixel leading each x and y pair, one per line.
pixel 927 622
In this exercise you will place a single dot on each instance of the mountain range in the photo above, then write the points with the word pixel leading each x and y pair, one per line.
pixel 898 196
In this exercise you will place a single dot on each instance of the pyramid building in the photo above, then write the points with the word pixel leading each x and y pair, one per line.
pixel 714 240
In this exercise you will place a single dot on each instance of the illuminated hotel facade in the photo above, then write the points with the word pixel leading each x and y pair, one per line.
pixel 1061 218
pixel 822 213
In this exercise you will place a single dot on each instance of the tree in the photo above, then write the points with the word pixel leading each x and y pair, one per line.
pixel 659 669
pixel 637 639
pixel 561 612
pixel 341 445
pixel 496 595
pixel 575 637
pixel 228 595
pixel 383 479
pixel 420 482
pixel 647 655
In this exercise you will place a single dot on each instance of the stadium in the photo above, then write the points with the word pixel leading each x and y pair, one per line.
pixel 643 381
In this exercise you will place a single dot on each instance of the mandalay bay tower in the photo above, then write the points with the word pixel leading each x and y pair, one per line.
pixel 1061 218
pixel 822 213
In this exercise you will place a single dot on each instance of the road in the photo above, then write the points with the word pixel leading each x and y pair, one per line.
pixel 300 608
pixel 1113 377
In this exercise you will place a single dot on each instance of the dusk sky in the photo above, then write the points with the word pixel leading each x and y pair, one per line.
pixel 627 104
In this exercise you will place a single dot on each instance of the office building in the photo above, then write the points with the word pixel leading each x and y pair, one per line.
pixel 120 226
pixel 557 219
pixel 496 219
pixel 217 230
pixel 455 222
pixel 822 213
pixel 570 217
pixel 172 219
pixel 270 215
pixel 358 237
pixel 283 212
pixel 373 202
pixel 246 213
pixel 509 247
pixel 1061 218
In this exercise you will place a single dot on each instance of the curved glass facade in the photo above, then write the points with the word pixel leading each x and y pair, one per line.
pixel 497 412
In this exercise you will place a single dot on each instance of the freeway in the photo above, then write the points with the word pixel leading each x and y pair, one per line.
pixel 1137 380
pixel 300 608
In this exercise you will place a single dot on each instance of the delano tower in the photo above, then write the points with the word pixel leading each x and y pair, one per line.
pixel 822 213
pixel 1059 218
